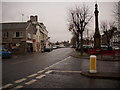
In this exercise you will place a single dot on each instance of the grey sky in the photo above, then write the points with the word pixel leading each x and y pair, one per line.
pixel 53 14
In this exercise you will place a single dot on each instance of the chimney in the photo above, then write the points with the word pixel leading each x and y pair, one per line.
pixel 34 18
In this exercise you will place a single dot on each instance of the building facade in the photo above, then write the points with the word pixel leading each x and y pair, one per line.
pixel 17 37
pixel 22 37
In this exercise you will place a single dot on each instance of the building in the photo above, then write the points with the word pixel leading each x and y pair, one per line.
pixel 44 36
pixel 115 40
pixel 17 36
pixel 40 35
pixel 112 36
pixel 22 37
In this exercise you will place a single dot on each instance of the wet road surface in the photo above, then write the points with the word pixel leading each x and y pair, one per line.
pixel 56 69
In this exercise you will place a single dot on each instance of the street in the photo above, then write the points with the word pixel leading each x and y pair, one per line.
pixel 55 69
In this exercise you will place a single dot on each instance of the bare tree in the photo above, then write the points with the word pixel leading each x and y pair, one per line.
pixel 108 30
pixel 73 41
pixel 116 10
pixel 79 19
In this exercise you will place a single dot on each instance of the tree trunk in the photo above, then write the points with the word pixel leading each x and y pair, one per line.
pixel 81 45
pixel 77 41
pixel 108 41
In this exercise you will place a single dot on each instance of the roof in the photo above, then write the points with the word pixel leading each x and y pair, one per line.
pixel 14 25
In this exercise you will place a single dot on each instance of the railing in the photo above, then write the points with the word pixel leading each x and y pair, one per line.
pixel 113 53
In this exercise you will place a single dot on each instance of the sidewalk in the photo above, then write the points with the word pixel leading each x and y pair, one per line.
pixel 77 54
pixel 107 68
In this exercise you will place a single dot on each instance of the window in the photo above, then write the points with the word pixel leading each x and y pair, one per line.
pixel 5 34
pixel 29 36
pixel 18 34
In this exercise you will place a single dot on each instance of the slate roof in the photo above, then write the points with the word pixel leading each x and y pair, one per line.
pixel 14 25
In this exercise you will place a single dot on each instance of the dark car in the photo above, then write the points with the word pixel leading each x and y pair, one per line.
pixel 4 53
pixel 87 47
pixel 47 49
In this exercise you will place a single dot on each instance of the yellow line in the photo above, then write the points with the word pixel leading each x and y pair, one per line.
pixel 48 72
pixel 41 76
pixel 31 82
pixel 20 80
pixel 41 71
pixel 18 87
pixel 7 85
pixel 32 75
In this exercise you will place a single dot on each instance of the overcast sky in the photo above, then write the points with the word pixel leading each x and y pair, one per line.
pixel 53 14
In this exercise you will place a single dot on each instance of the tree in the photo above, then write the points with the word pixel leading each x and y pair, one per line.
pixel 73 41
pixel 116 10
pixel 108 30
pixel 79 19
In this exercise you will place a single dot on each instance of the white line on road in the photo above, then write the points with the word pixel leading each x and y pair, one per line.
pixel 7 85
pixel 17 87
pixel 32 75
pixel 31 82
pixel 67 71
pixel 38 77
pixel 20 80
pixel 57 63
pixel 41 76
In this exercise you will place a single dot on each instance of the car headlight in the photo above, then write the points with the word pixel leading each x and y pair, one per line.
pixel 9 52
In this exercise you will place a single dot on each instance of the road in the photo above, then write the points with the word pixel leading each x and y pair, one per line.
pixel 26 65
pixel 56 69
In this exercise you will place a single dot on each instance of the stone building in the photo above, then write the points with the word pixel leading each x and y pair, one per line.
pixel 17 36
pixel 22 37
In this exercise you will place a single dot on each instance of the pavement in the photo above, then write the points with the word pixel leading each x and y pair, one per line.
pixel 110 72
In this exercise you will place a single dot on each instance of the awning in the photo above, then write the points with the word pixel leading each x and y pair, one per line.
pixel 28 41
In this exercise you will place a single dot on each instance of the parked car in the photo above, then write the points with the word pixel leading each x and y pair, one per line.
pixel 54 47
pixel 47 49
pixel 105 47
pixel 87 47
pixel 4 53
pixel 116 48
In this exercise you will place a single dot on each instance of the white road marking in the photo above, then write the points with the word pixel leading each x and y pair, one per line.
pixel 32 75
pixel 31 82
pixel 48 72
pixel 67 71
pixel 7 85
pixel 38 77
pixel 41 71
pixel 17 87
pixel 57 63
pixel 20 80
pixel 41 76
